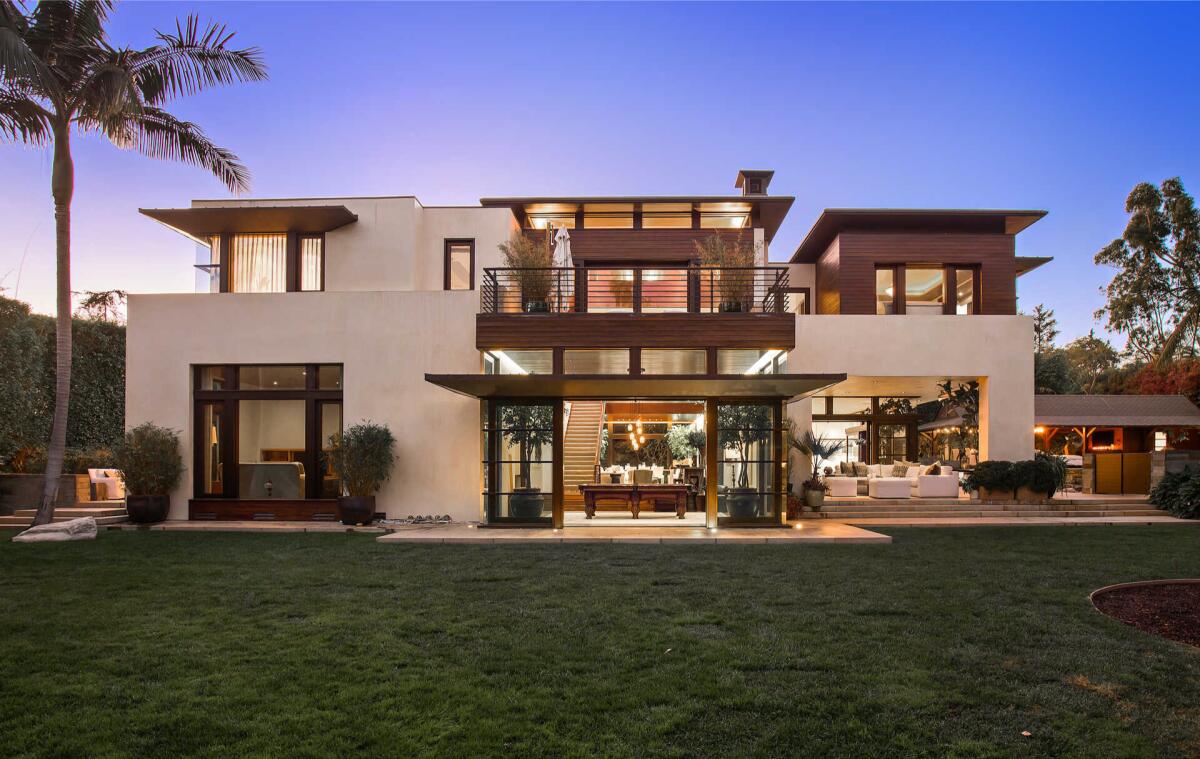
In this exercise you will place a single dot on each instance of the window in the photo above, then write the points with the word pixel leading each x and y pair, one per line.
pixel 553 215
pixel 885 290
pixel 596 361
pixel 724 215
pixel 666 216
pixel 799 300
pixel 519 461
pixel 850 406
pixel 312 262
pixel 924 289
pixel 750 361
pixel 518 362
pixel 258 263
pixel 964 291
pixel 748 462
pixel 608 215
pixel 459 265
pixel 269 435
pixel 660 361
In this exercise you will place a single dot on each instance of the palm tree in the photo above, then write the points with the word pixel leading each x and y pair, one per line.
pixel 59 74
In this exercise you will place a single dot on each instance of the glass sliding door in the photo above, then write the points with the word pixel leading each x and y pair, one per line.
pixel 749 462
pixel 519 464
pixel 212 449
pixel 329 417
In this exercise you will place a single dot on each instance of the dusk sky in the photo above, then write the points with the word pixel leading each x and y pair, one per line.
pixel 1055 107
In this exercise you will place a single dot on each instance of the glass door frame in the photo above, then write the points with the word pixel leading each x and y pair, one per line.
pixel 492 438
pixel 713 520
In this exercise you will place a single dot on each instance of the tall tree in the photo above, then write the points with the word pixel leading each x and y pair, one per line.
pixel 1090 357
pixel 59 74
pixel 1154 299
pixel 1045 328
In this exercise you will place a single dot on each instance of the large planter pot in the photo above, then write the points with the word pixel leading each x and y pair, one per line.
pixel 1026 495
pixel 537 307
pixel 994 496
pixel 731 307
pixel 814 498
pixel 147 509
pixel 525 503
pixel 742 503
pixel 356 509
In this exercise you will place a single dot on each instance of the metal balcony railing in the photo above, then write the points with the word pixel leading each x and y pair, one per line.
pixel 635 290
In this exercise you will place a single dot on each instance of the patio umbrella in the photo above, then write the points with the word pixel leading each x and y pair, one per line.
pixel 562 248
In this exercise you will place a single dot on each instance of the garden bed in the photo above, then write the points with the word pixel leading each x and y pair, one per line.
pixel 1167 608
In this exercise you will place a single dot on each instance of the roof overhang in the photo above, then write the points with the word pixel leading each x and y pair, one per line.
pixel 690 386
pixel 202 223
pixel 771 208
pixel 834 221
pixel 1026 264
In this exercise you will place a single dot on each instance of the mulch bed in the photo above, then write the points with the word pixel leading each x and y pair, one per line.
pixel 1170 610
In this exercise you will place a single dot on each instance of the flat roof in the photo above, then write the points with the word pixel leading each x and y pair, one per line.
pixel 834 221
pixel 204 222
pixel 1115 411
pixel 689 386
pixel 771 208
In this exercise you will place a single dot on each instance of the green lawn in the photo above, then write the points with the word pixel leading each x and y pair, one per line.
pixel 950 642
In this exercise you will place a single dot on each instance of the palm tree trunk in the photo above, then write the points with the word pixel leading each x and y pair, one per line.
pixel 62 185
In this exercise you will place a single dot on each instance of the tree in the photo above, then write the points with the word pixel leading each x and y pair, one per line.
pixel 1090 357
pixel 741 426
pixel 1180 378
pixel 103 305
pixel 529 428
pixel 1045 329
pixel 1052 373
pixel 59 74
pixel 1154 299
pixel 963 398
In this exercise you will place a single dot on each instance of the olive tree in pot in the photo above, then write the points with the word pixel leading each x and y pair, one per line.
pixel 529 428
pixel 362 456
pixel 151 466
pixel 819 449
pixel 532 264
pixel 730 270
pixel 740 428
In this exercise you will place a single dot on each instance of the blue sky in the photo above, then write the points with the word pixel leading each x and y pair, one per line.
pixel 1057 107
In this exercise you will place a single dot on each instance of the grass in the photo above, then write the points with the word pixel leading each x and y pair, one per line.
pixel 950 642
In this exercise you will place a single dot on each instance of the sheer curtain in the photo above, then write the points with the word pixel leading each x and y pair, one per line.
pixel 258 263
pixel 312 258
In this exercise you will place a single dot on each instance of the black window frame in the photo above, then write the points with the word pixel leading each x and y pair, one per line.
pixel 447 244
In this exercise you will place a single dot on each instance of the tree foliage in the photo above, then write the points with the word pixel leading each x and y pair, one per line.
pixel 1154 299
pixel 1045 328
pixel 1090 357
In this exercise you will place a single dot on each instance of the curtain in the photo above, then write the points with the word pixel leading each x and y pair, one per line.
pixel 312 258
pixel 258 263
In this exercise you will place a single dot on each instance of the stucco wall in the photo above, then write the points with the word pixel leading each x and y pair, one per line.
pixel 387 341
pixel 998 350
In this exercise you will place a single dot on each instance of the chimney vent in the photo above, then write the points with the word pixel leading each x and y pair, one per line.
pixel 753 182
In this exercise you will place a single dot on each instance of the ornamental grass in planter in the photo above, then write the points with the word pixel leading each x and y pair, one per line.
pixel 733 279
pixel 363 457
pixel 151 467
pixel 532 264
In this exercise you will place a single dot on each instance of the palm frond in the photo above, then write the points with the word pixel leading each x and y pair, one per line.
pixel 191 60
pixel 157 134
pixel 111 89
pixel 23 120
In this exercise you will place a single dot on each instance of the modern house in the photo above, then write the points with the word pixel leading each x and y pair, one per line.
pixel 635 372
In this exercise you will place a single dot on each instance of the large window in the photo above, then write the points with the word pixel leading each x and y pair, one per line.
pixel 667 216
pixel 674 361
pixel 519 461
pixel 258 263
pixel 751 361
pixel 724 215
pixel 267 262
pixel 460 265
pixel 608 215
pixel 924 289
pixel 518 362
pixel 611 361
pixel 265 432
pixel 749 477
pixel 876 430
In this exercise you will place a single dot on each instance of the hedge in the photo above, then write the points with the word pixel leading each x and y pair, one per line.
pixel 1042 474
pixel 1178 493
pixel 96 418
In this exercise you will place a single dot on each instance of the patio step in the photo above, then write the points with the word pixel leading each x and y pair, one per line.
pixel 968 513
pixel 23 518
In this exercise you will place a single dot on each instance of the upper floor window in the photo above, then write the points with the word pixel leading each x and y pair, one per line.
pixel 724 215
pixel 553 215
pixel 258 263
pixel 608 215
pixel 924 289
pixel 312 262
pixel 964 291
pixel 667 216
pixel 459 265
pixel 885 290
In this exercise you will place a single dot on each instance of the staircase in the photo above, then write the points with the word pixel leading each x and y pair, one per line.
pixel 105 512
pixel 943 508
pixel 581 446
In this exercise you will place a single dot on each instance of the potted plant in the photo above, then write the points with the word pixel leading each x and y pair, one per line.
pixel 733 261
pixel 621 289
pixel 529 428
pixel 819 449
pixel 742 427
pixel 993 480
pixel 362 456
pixel 151 467
pixel 1039 478
pixel 533 269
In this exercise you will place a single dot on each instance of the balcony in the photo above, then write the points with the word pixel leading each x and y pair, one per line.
pixel 629 306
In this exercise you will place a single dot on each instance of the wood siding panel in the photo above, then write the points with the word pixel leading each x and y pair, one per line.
pixel 635 330
pixel 860 252
pixel 601 246
pixel 827 271
pixel 311 510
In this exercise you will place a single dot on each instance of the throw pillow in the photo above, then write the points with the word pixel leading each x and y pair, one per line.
pixel 912 471
pixel 845 467
pixel 899 470
pixel 934 468
pixel 860 469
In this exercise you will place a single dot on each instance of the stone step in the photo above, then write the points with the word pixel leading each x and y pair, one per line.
pixel 23 522
pixel 74 512
pixel 967 513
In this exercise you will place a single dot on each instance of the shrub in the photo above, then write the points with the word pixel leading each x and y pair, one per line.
pixel 78 461
pixel 1043 474
pixel 992 475
pixel 533 262
pixel 363 457
pixel 149 460
pixel 1178 493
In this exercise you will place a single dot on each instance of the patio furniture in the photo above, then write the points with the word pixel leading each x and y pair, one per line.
pixel 889 487
pixel 107 484
pixel 941 485
pixel 633 495
pixel 842 487
pixel 283 479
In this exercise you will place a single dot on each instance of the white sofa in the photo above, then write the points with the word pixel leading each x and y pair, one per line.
pixel 114 485
pixel 941 485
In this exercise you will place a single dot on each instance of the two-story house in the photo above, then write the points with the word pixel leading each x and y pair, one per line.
pixel 646 365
